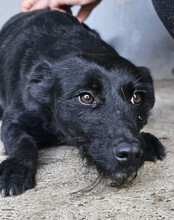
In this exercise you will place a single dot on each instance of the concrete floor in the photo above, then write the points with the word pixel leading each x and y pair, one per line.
pixel 149 197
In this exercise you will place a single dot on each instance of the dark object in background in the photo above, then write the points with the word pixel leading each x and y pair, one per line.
pixel 61 84
pixel 165 10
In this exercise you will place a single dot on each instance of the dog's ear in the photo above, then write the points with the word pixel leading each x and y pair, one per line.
pixel 153 148
pixel 39 86
pixel 147 75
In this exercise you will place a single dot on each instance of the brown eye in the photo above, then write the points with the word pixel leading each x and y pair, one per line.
pixel 136 98
pixel 86 98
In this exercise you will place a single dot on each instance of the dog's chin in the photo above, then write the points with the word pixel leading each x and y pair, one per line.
pixel 121 177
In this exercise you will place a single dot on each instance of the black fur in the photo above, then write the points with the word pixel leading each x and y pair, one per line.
pixel 47 59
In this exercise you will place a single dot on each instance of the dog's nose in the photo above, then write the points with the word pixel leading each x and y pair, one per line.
pixel 128 153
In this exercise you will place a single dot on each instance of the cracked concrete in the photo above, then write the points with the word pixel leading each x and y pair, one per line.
pixel 60 173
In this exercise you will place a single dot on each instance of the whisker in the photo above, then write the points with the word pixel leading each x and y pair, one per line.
pixel 89 188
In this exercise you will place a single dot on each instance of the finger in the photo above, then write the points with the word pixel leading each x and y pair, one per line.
pixel 84 12
pixel 26 5
pixel 40 4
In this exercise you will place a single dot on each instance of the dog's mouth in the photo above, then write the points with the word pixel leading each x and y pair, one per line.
pixel 121 178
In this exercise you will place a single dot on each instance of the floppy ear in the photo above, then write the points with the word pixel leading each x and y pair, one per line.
pixel 154 150
pixel 39 86
pixel 147 75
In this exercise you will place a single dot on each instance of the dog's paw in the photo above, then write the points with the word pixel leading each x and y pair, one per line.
pixel 154 150
pixel 15 178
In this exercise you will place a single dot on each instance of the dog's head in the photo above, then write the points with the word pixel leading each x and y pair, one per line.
pixel 100 105
pixel 104 105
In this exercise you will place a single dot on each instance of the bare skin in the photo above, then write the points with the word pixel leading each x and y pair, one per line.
pixel 62 5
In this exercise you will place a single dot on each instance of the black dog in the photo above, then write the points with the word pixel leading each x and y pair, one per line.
pixel 61 84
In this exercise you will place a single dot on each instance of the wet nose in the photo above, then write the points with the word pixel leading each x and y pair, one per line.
pixel 128 153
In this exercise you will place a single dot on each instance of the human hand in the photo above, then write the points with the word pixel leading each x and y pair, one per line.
pixel 62 5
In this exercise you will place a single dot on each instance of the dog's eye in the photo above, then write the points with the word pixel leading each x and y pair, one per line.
pixel 86 98
pixel 136 98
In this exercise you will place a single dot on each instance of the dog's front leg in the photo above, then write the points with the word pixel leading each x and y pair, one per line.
pixel 17 173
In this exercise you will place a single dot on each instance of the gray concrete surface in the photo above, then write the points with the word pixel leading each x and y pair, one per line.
pixel 60 173
pixel 131 26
